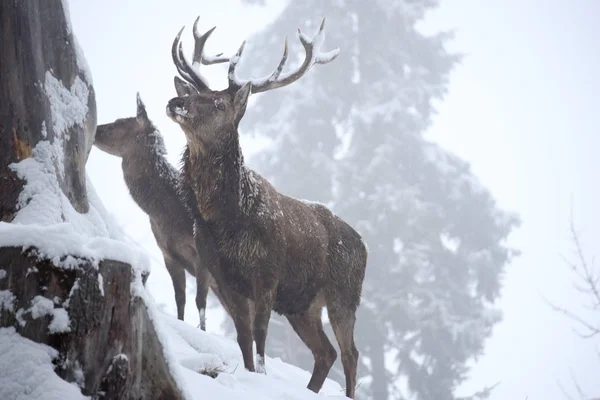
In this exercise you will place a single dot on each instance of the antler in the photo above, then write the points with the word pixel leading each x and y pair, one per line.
pixel 275 79
pixel 187 70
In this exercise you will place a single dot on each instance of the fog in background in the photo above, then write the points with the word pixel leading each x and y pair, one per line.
pixel 520 109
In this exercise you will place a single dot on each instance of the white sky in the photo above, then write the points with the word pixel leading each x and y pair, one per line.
pixel 521 110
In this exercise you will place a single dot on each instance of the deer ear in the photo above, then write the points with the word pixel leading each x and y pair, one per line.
pixel 183 88
pixel 142 116
pixel 241 100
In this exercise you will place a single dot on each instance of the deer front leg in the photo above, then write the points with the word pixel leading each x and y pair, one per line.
pixel 240 311
pixel 237 306
pixel 202 281
pixel 264 297
pixel 178 277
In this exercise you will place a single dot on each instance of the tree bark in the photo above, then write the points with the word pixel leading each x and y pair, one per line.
pixel 36 38
pixel 112 349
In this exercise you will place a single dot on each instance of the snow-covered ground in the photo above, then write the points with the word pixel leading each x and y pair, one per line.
pixel 28 373
pixel 196 351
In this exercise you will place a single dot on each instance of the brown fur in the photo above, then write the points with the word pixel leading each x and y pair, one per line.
pixel 284 254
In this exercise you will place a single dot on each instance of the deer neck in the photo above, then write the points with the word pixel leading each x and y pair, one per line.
pixel 220 180
pixel 150 178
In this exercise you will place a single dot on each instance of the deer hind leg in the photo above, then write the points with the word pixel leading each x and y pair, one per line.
pixel 178 277
pixel 309 328
pixel 342 320
pixel 202 281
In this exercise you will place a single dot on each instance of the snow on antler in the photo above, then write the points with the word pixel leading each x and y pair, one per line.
pixel 190 70
pixel 200 41
pixel 276 79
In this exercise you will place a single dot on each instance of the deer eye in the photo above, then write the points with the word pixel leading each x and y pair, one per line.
pixel 220 105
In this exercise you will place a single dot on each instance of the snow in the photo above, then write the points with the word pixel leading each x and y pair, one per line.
pixel 7 300
pixel 42 306
pixel 46 218
pixel 311 202
pixel 194 350
pixel 68 107
pixel 71 242
pixel 60 321
pixel 101 284
pixel 190 351
pixel 28 373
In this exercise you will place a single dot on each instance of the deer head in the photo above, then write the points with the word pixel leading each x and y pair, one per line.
pixel 205 115
pixel 122 136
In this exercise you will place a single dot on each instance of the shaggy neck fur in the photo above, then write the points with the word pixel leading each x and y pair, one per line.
pixel 224 187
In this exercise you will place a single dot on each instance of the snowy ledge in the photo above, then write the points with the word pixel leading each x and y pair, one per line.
pixel 193 355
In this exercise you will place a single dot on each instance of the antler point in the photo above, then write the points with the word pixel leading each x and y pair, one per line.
pixel 195 28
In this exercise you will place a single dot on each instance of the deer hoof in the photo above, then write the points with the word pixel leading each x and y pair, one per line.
pixel 260 365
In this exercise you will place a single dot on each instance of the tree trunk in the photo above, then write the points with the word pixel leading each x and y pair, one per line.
pixel 111 348
pixel 379 385
pixel 373 342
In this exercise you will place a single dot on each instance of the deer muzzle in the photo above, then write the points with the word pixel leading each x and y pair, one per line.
pixel 176 108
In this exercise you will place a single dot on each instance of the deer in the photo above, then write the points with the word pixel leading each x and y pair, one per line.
pixel 274 252
pixel 155 186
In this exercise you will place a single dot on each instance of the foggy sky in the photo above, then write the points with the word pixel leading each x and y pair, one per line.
pixel 521 109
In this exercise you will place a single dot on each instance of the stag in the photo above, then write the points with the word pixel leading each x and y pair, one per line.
pixel 280 253
pixel 155 185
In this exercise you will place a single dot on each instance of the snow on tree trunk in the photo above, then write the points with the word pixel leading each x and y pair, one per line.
pixel 68 280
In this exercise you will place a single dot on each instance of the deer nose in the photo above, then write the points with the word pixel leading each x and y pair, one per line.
pixel 176 102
